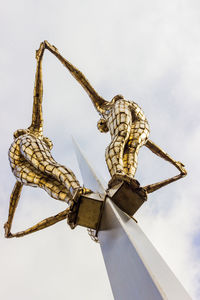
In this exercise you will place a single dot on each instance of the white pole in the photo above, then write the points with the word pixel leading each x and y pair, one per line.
pixel 135 269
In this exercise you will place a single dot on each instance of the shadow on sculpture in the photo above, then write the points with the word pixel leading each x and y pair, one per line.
pixel 32 163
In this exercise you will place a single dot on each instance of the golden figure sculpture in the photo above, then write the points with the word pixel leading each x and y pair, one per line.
pixel 32 163
pixel 129 131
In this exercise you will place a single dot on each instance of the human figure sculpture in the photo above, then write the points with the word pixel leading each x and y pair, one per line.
pixel 33 165
pixel 129 131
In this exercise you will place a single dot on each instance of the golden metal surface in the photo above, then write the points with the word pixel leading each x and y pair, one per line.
pixel 128 128
pixel 32 163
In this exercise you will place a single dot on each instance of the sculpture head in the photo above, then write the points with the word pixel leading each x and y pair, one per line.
pixel 117 97
pixel 102 125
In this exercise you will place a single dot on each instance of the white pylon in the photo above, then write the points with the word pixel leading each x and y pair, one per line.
pixel 135 269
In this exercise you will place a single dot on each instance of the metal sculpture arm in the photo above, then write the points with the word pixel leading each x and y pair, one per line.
pixel 14 199
pixel 97 100
pixel 37 118
pixel 42 224
pixel 159 152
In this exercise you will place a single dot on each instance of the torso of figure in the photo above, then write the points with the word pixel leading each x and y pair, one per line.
pixel 20 152
pixel 32 164
pixel 122 112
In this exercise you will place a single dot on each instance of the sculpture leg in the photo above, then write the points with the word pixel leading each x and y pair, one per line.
pixel 30 176
pixel 155 186
pixel 39 155
pixel 119 124
pixel 115 151
pixel 14 199
pixel 114 155
pixel 138 136
pixel 130 160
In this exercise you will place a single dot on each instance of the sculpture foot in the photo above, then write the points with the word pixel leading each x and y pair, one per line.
pixel 117 178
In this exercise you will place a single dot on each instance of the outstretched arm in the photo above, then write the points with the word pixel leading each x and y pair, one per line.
pixel 43 224
pixel 158 151
pixel 97 100
pixel 14 199
pixel 37 119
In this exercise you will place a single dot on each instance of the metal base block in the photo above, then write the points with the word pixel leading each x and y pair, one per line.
pixel 127 198
pixel 90 211
pixel 87 210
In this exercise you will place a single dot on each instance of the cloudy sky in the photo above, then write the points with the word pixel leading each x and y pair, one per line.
pixel 149 51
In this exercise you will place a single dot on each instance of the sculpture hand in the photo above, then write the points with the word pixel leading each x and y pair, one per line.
pixel 7 234
pixel 180 166
pixel 40 51
pixel 50 47
pixel 102 125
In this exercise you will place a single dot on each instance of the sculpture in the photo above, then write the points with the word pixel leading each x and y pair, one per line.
pixel 32 163
pixel 129 131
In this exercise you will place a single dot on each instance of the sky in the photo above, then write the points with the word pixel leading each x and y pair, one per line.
pixel 147 51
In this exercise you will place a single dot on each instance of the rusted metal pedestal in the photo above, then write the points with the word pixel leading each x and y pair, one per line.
pixel 135 269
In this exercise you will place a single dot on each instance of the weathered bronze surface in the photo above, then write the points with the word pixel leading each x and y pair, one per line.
pixel 32 163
